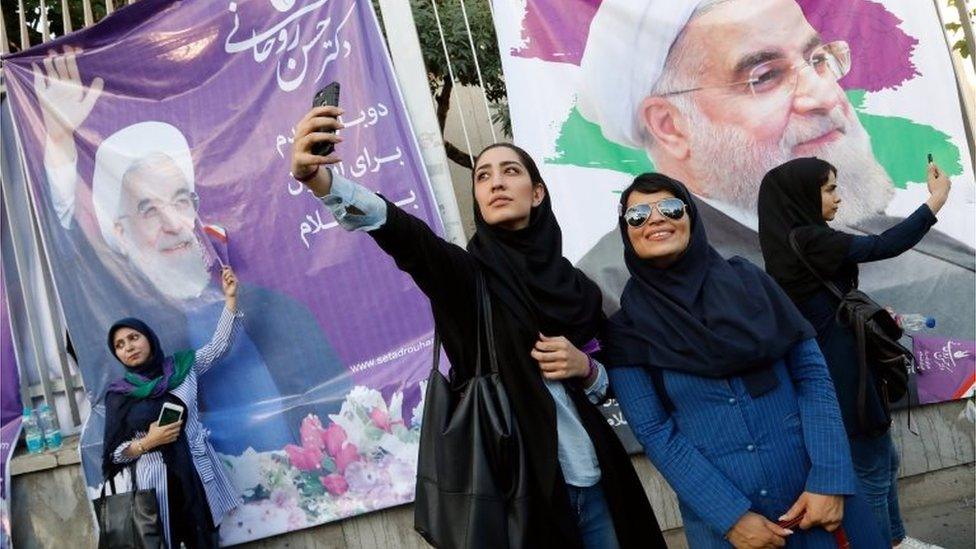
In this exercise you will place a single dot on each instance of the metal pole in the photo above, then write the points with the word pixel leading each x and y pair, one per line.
pixel 408 64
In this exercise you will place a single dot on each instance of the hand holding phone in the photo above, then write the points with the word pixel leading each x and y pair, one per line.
pixel 171 413
pixel 327 96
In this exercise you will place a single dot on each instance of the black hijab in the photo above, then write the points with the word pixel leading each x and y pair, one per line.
pixel 702 315
pixel 527 272
pixel 790 200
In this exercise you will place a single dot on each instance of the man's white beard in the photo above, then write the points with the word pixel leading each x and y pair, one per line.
pixel 730 165
pixel 182 277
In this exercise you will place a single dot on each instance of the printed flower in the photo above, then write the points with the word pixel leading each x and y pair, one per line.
pixel 369 481
pixel 381 418
pixel 345 456
pixel 284 499
pixel 354 417
pixel 304 459
pixel 403 477
pixel 417 414
pixel 248 469
pixel 312 432
pixel 261 519
pixel 335 484
pixel 333 438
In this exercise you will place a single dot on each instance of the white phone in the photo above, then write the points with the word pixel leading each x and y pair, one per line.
pixel 171 413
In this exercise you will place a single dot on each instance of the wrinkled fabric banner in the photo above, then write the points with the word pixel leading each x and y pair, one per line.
pixel 156 145
pixel 10 410
pixel 602 90
pixel 945 369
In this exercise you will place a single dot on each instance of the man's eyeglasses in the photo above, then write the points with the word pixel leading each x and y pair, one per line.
pixel 185 204
pixel 638 214
pixel 831 60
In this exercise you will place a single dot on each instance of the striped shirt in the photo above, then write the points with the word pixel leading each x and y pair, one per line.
pixel 150 468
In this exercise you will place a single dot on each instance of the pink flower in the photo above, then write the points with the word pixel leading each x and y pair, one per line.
pixel 333 437
pixel 311 432
pixel 304 459
pixel 346 455
pixel 381 418
pixel 335 484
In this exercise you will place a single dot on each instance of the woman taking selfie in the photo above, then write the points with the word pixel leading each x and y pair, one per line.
pixel 583 489
pixel 800 197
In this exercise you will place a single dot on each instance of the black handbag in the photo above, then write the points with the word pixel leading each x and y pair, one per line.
pixel 129 520
pixel 472 476
pixel 877 336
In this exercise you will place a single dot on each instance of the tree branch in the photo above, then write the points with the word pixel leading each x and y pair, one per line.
pixel 444 103
pixel 457 155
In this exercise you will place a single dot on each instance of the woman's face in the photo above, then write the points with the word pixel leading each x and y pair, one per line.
pixel 131 347
pixel 660 240
pixel 829 198
pixel 503 189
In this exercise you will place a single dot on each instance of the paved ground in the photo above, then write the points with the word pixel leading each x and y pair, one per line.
pixel 951 525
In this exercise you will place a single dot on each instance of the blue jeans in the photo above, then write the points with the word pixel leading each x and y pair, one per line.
pixel 593 517
pixel 876 465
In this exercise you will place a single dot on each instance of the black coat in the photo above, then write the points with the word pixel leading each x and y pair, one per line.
pixel 448 274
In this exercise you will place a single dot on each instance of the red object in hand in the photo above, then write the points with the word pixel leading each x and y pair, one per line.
pixel 839 535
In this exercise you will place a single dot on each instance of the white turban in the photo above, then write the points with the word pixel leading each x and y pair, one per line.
pixel 625 53
pixel 119 152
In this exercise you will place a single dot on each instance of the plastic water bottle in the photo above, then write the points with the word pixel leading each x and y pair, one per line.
pixel 49 425
pixel 32 432
pixel 915 322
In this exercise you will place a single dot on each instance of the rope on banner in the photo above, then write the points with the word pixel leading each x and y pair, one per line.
pixel 477 69
pixel 450 73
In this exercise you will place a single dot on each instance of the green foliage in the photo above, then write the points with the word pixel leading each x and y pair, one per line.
pixel 32 11
pixel 961 44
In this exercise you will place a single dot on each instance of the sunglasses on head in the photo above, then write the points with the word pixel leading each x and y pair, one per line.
pixel 638 214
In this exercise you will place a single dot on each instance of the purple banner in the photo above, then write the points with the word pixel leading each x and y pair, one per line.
pixel 167 119
pixel 945 369
pixel 10 410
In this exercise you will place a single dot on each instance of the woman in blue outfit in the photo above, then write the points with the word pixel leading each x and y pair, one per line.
pixel 723 384
pixel 800 196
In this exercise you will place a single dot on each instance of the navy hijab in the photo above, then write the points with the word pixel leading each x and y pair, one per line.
pixel 790 202
pixel 702 315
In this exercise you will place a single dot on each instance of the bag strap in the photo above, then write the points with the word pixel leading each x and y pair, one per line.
pixel 862 378
pixel 796 250
pixel 485 328
pixel 436 362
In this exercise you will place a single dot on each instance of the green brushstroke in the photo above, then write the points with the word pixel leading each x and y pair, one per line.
pixel 899 144
pixel 580 143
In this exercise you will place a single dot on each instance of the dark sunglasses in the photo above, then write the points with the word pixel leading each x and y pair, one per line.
pixel 638 214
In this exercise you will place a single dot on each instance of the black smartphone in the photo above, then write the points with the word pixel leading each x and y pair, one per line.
pixel 328 95
pixel 930 158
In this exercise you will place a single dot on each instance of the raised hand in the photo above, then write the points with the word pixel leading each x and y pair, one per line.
pixel 65 101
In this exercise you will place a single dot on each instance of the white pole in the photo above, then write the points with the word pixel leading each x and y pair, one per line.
pixel 408 63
